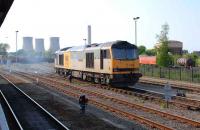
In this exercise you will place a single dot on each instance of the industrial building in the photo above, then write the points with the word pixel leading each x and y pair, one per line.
pixel 175 47
pixel 54 44
pixel 28 43
pixel 39 45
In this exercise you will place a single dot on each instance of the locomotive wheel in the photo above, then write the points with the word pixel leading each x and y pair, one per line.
pixel 88 78
pixel 107 81
pixel 102 81
pixel 96 80
pixel 84 77
pixel 92 79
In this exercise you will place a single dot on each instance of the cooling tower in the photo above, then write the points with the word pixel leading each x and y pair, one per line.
pixel 54 44
pixel 39 45
pixel 28 43
pixel 89 35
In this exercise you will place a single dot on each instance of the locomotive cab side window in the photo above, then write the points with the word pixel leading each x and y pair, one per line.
pixel 89 60
pixel 106 54
pixel 61 57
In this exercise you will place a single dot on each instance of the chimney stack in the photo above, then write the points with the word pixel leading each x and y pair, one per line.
pixel 39 45
pixel 28 43
pixel 89 34
pixel 54 44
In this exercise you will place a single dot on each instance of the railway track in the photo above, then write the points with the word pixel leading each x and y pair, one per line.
pixel 12 121
pixel 175 84
pixel 183 102
pixel 23 111
pixel 62 87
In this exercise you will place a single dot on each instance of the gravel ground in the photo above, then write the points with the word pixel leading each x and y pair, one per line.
pixel 194 96
pixel 66 109
pixel 195 115
pixel 174 124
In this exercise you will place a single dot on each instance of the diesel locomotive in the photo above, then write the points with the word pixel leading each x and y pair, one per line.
pixel 111 63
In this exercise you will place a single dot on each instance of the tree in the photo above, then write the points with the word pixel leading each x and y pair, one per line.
pixel 150 52
pixel 198 61
pixel 141 50
pixel 48 54
pixel 4 48
pixel 21 52
pixel 163 58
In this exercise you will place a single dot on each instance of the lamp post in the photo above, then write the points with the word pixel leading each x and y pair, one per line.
pixel 16 44
pixel 85 40
pixel 135 19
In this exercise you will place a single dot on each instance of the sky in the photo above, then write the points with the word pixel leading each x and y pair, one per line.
pixel 110 20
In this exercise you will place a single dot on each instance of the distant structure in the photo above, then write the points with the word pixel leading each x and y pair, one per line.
pixel 184 51
pixel 39 45
pixel 197 52
pixel 89 35
pixel 54 44
pixel 175 47
pixel 28 43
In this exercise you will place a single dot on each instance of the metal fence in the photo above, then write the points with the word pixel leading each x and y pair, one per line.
pixel 180 73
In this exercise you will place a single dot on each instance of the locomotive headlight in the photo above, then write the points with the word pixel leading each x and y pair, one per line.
pixel 115 69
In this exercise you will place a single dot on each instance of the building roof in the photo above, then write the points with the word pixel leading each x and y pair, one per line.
pixel 4 8
pixel 172 44
pixel 175 44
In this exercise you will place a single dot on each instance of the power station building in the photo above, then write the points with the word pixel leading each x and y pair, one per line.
pixel 54 44
pixel 175 47
pixel 28 43
pixel 39 45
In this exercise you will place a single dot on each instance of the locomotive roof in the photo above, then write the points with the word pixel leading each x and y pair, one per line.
pixel 95 46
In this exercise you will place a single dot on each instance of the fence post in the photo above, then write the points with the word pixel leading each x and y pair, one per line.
pixel 160 72
pixel 192 74
pixel 152 71
pixel 180 73
pixel 169 73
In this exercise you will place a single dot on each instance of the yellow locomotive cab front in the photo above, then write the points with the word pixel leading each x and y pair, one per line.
pixel 125 64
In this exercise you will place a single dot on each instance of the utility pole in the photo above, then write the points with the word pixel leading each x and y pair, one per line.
pixel 16 44
pixel 135 19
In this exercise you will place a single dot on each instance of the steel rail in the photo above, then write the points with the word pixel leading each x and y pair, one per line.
pixel 130 116
pixel 174 85
pixel 38 105
pixel 17 123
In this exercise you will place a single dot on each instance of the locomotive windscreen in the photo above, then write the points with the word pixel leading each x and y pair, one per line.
pixel 126 54
pixel 123 50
